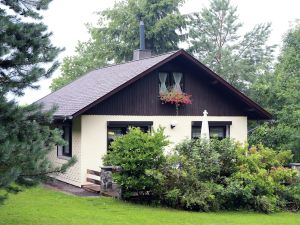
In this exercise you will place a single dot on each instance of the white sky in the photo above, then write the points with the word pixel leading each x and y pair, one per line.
pixel 67 19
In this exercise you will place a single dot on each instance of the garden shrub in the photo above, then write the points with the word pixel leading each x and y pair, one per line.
pixel 140 155
pixel 202 176
pixel 183 189
pixel 260 179
pixel 193 175
pixel 225 175
pixel 292 197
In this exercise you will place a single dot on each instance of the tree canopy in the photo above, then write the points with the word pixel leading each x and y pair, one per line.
pixel 26 136
pixel 279 92
pixel 25 46
pixel 214 38
pixel 116 36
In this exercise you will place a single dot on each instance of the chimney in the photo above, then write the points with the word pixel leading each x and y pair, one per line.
pixel 141 53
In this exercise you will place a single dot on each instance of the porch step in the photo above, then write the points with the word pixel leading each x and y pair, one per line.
pixel 96 189
pixel 92 188
pixel 110 194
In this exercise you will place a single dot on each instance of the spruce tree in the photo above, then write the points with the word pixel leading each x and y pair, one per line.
pixel 215 40
pixel 26 134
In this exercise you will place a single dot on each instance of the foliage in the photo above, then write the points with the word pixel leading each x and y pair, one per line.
pixel 195 174
pixel 25 133
pixel 214 39
pixel 279 92
pixel 110 42
pixel 225 175
pixel 140 155
pixel 175 97
pixel 26 139
pixel 205 176
pixel 260 179
pixel 48 207
pixel 278 136
pixel 182 188
pixel 24 47
pixel 292 197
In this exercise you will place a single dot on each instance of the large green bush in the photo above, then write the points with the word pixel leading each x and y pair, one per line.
pixel 140 155
pixel 260 179
pixel 225 175
pixel 194 175
pixel 202 176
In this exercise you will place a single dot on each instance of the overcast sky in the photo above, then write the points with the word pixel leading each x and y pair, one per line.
pixel 67 19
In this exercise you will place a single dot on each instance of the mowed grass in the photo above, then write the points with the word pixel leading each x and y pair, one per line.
pixel 39 206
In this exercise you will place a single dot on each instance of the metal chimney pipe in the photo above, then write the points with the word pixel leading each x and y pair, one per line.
pixel 142 35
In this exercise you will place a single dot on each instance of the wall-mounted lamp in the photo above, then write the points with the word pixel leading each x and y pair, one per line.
pixel 173 124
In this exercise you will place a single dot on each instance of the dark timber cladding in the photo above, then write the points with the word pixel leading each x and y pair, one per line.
pixel 142 96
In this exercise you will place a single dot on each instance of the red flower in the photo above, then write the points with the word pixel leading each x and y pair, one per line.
pixel 175 97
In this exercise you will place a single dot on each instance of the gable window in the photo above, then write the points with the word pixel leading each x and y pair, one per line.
pixel 118 128
pixel 170 81
pixel 65 150
pixel 217 129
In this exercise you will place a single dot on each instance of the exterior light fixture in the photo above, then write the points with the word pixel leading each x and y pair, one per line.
pixel 173 124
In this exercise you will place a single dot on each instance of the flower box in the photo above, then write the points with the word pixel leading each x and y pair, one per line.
pixel 176 98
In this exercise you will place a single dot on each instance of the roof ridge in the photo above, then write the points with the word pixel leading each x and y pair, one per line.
pixel 117 64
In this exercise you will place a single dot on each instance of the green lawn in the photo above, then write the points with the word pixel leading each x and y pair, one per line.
pixel 40 206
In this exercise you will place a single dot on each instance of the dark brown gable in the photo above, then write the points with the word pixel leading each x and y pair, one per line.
pixel 141 97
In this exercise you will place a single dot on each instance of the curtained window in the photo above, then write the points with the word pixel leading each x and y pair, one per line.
pixel 163 82
pixel 170 81
pixel 178 81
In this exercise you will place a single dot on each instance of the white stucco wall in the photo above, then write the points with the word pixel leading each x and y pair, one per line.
pixel 94 133
pixel 89 139
pixel 73 174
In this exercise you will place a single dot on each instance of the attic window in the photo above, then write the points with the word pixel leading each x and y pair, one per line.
pixel 169 81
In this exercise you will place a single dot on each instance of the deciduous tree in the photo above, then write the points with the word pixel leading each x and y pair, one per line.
pixel 279 92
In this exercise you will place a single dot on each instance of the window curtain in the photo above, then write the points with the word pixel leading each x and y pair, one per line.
pixel 67 133
pixel 60 147
pixel 177 79
pixel 162 79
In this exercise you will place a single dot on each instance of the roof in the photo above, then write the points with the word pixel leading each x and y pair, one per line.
pixel 92 88
pixel 96 84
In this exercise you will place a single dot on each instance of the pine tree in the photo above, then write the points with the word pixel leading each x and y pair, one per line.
pixel 26 135
pixel 116 36
pixel 214 39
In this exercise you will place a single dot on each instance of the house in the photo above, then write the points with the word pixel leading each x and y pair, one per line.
pixel 102 104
